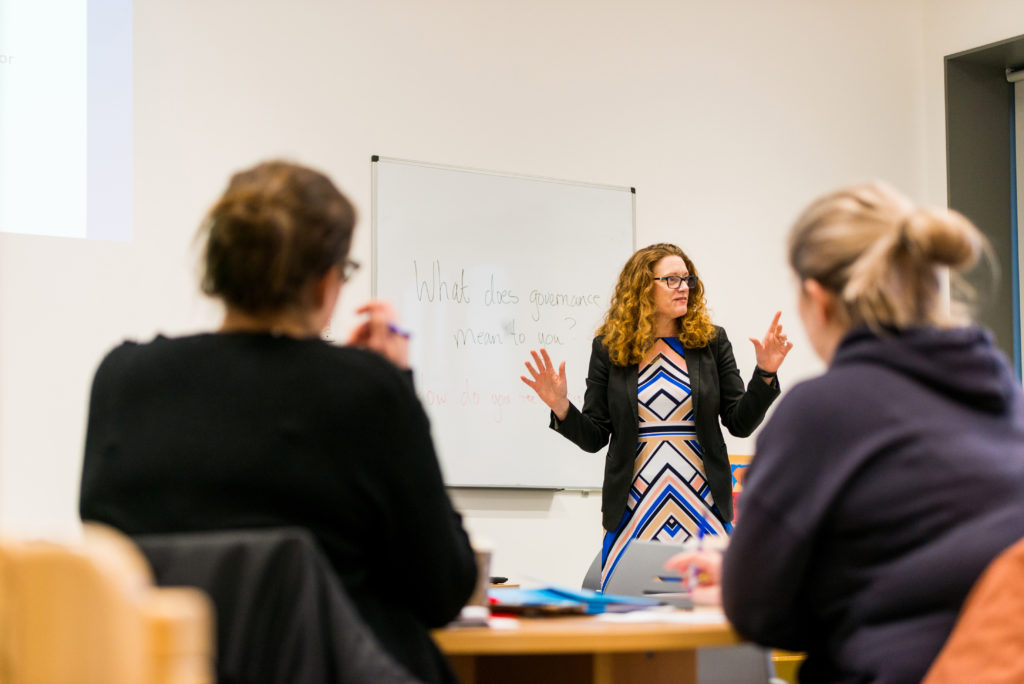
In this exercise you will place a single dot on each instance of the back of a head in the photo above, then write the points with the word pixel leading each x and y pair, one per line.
pixel 882 256
pixel 277 228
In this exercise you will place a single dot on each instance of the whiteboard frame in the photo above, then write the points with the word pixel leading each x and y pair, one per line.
pixel 394 160
pixel 375 270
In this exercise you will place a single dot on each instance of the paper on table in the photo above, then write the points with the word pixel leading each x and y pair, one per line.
pixel 498 622
pixel 683 617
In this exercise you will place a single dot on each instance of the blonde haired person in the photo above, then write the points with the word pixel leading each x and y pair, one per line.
pixel 661 375
pixel 880 490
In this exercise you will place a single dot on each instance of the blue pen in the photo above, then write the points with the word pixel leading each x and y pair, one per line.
pixel 398 331
pixel 694 576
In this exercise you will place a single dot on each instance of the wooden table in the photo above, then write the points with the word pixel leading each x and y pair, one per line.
pixel 580 650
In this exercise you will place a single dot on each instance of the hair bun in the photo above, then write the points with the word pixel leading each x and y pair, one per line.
pixel 944 237
pixel 277 227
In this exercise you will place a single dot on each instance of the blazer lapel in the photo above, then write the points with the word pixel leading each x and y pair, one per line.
pixel 693 361
pixel 632 390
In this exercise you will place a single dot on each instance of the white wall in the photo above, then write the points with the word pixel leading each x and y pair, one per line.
pixel 952 26
pixel 727 117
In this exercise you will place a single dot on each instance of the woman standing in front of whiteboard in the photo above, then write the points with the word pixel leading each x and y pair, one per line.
pixel 661 375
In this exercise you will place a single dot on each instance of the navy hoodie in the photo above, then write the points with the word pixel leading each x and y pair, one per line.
pixel 878 493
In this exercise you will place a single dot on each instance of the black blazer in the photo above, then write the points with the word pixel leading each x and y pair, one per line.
pixel 610 409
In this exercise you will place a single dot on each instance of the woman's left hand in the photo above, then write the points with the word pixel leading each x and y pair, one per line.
pixel 771 350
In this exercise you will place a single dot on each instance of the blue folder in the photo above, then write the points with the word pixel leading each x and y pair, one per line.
pixel 560 600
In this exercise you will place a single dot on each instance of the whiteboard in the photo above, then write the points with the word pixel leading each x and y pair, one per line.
pixel 482 267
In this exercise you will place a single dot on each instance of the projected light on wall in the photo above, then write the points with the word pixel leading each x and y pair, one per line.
pixel 66 118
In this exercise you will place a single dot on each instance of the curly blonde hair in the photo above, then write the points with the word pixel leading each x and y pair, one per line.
pixel 628 327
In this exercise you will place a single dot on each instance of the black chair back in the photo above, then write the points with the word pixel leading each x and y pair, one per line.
pixel 282 614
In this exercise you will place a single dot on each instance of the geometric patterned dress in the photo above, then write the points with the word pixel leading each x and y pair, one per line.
pixel 669 500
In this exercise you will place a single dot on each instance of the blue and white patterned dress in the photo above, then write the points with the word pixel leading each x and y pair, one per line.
pixel 669 500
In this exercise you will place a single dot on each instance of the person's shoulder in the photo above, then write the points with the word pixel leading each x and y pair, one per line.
pixel 718 341
pixel 840 396
pixel 132 359
pixel 125 350
pixel 808 396
pixel 805 423
pixel 599 349
pixel 161 343
pixel 132 351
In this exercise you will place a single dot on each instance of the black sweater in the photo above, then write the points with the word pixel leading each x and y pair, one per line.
pixel 225 431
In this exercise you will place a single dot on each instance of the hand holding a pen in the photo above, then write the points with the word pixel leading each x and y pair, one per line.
pixel 380 333
pixel 705 570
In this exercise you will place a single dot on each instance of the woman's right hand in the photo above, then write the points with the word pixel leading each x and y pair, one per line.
pixel 706 568
pixel 380 334
pixel 549 385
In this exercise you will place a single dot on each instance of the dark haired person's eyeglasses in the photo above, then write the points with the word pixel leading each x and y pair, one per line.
pixel 676 282
pixel 348 269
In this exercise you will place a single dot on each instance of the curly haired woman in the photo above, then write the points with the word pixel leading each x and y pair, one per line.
pixel 661 375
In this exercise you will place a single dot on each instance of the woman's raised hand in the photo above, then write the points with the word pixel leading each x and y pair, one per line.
pixel 771 350
pixel 549 385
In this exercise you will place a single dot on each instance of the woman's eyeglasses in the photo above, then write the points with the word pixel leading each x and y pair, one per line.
pixel 348 269
pixel 676 282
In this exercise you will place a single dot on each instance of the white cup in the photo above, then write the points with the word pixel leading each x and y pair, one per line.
pixel 482 553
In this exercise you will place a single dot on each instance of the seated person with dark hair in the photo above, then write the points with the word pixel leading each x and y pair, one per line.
pixel 263 424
